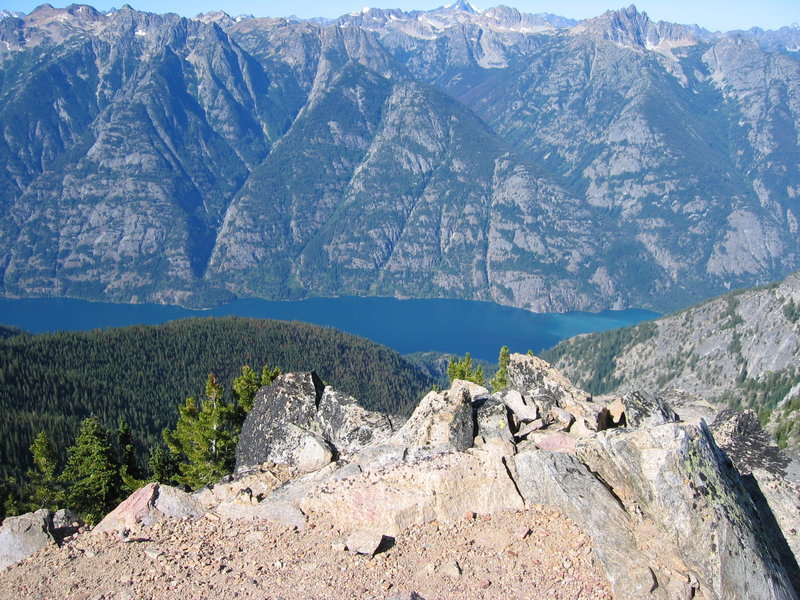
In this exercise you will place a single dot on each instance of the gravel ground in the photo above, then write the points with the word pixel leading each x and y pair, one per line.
pixel 531 554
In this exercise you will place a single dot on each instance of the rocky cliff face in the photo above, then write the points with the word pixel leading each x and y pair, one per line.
pixel 664 510
pixel 741 350
pixel 523 159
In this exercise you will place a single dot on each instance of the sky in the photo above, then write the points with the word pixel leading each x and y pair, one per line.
pixel 711 14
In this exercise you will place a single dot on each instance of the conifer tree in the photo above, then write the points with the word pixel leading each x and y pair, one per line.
pixel 163 467
pixel 92 474
pixel 10 503
pixel 500 379
pixel 204 439
pixel 42 490
pixel 268 375
pixel 462 369
pixel 245 387
pixel 129 470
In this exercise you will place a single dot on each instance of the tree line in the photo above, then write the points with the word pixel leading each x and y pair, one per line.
pixel 52 382
pixel 102 469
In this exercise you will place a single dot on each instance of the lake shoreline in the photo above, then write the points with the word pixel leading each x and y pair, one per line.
pixel 405 325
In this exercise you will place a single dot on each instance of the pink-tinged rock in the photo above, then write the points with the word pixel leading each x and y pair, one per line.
pixel 444 488
pixel 529 428
pixel 148 505
pixel 137 509
pixel 557 442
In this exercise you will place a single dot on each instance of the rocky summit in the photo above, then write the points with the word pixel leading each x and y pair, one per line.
pixel 538 490
pixel 528 160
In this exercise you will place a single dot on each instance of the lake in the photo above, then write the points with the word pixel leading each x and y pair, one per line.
pixel 456 326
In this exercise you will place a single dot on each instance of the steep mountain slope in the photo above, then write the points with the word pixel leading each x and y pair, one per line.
pixel 144 127
pixel 524 159
pixel 742 349
pixel 666 127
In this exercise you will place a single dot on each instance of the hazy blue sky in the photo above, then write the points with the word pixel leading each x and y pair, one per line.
pixel 711 14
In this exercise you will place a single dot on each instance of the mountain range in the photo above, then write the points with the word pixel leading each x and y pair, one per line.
pixel 528 160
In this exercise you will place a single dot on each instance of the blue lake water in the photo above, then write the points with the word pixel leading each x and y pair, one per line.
pixel 456 326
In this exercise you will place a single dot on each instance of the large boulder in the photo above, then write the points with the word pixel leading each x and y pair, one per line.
pixel 23 535
pixel 149 505
pixel 642 409
pixel 771 475
pixel 442 420
pixel 298 420
pixel 701 514
pixel 348 426
pixel 281 413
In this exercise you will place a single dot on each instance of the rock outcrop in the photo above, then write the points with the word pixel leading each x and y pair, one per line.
pixel 443 420
pixel 739 349
pixel 23 535
pixel 560 480
pixel 771 476
pixel 149 505
pixel 667 513
pixel 676 481
pixel 299 421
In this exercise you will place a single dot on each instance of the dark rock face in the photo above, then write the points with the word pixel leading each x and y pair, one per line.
pixel 771 476
pixel 281 411
pixel 494 420
pixel 297 420
pixel 747 444
pixel 644 409
pixel 347 425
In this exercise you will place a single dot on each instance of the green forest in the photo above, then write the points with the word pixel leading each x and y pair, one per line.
pixel 52 382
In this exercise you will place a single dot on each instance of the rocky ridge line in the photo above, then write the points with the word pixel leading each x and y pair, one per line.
pixel 663 509
pixel 739 349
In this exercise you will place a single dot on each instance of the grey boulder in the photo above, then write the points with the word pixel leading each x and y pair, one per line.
pixel 298 421
pixel 679 481
pixel 442 420
pixel 23 535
